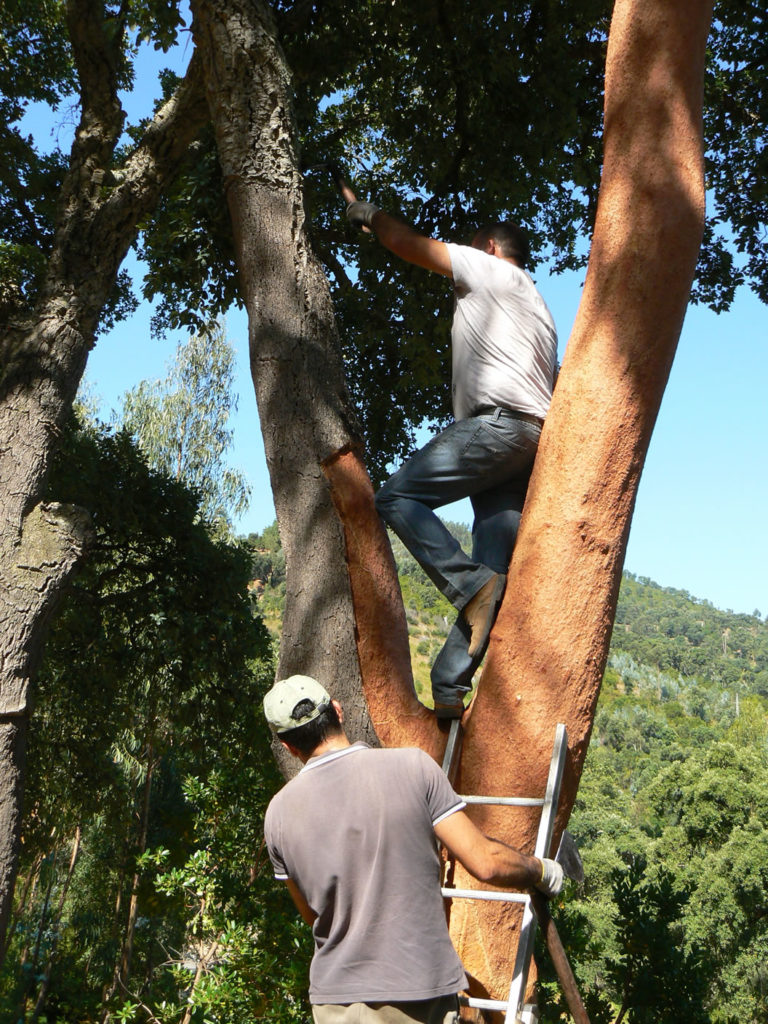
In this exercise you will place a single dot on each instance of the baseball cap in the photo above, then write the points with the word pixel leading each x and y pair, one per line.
pixel 286 694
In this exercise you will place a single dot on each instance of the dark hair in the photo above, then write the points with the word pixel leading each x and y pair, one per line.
pixel 309 736
pixel 510 238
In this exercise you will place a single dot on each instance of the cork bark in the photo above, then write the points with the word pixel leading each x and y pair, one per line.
pixel 344 620
pixel 43 351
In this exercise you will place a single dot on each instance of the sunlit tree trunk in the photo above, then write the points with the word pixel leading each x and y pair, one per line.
pixel 123 967
pixel 42 924
pixel 46 980
pixel 550 645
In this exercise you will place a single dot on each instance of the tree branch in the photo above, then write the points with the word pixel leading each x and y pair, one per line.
pixel 96 59
pixel 161 151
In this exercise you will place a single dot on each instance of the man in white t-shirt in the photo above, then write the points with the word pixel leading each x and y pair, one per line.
pixel 353 836
pixel 504 352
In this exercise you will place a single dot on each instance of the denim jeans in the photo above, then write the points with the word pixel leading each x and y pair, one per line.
pixel 488 459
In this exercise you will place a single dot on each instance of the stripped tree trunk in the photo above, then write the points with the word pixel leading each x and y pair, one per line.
pixel 550 645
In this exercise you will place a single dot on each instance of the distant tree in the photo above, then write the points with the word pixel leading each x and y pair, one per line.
pixel 181 423
pixel 655 975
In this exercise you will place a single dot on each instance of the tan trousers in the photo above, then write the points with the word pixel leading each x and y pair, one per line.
pixel 442 1010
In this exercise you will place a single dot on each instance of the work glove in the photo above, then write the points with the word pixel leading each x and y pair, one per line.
pixel 552 877
pixel 361 214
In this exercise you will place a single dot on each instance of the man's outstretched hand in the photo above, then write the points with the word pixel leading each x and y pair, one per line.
pixel 361 215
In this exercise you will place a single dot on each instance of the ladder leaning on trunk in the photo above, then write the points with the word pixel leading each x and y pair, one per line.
pixel 514 1006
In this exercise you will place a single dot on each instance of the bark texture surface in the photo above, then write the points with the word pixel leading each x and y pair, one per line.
pixel 550 643
pixel 42 357
pixel 305 412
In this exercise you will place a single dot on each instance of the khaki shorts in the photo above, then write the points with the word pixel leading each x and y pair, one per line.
pixel 441 1010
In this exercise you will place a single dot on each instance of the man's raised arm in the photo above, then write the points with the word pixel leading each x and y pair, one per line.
pixel 401 239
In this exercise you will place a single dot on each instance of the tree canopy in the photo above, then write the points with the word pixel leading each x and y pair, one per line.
pixel 454 115
pixel 451 114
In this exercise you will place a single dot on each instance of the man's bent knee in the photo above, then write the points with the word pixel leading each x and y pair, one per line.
pixel 384 501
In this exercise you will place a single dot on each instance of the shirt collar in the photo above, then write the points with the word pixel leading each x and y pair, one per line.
pixel 315 762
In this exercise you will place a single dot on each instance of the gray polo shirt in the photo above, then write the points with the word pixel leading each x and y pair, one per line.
pixel 355 831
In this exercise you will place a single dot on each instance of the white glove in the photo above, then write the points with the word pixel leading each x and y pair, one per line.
pixel 552 877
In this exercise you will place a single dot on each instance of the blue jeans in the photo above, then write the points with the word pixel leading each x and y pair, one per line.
pixel 488 459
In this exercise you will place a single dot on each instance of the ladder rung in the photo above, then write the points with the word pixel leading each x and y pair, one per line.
pixel 507 801
pixel 484 1004
pixel 485 894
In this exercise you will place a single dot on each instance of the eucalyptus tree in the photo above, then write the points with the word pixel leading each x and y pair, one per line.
pixel 181 423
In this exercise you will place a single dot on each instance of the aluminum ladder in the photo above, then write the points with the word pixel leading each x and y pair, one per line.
pixel 514 1007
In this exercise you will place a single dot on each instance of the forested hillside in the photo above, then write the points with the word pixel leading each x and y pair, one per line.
pixel 672 816
pixel 143 894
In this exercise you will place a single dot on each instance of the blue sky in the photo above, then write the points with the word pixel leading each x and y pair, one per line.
pixel 699 523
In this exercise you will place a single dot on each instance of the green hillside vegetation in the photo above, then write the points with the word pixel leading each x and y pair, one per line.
pixel 144 894
pixel 672 814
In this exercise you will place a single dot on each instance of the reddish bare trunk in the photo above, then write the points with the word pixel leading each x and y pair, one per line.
pixel 550 645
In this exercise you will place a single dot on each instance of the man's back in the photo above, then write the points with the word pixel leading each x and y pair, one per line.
pixel 504 337
pixel 354 830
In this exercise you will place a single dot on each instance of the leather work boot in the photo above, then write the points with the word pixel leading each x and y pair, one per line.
pixel 480 611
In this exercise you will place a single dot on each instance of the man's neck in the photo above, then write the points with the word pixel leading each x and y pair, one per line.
pixel 333 743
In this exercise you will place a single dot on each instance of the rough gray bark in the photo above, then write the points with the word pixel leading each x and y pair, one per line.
pixel 43 351
pixel 304 409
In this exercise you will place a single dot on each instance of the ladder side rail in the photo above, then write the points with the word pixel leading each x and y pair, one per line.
pixel 543 841
pixel 452 754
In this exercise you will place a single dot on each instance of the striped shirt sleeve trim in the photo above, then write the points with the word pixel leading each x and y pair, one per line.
pixel 282 878
pixel 452 810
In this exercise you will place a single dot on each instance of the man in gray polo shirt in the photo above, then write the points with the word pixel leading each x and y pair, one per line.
pixel 504 350
pixel 353 837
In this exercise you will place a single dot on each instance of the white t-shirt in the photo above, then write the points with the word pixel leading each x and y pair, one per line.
pixel 504 337
pixel 355 831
